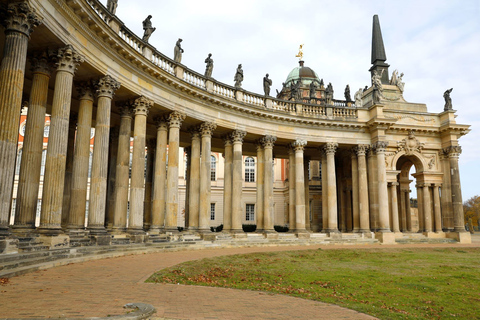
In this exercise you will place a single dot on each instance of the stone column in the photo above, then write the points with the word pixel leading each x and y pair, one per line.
pixel 194 183
pixel 160 175
pixel 105 89
pixel 363 202
pixel 52 199
pixel 78 198
pixel 19 22
pixel 148 184
pixel 355 192
pixel 324 191
pixel 372 190
pixel 29 179
pixel 427 207
pixel 227 179
pixel 137 181
pixel 188 173
pixel 408 211
pixel 206 130
pixel 437 207
pixel 291 189
pixel 458 215
pixel 112 176
pixel 447 206
pixel 259 207
pixel 384 223
pixel 393 196
pixel 330 149
pixel 123 168
pixel 306 180
pixel 421 220
pixel 403 209
pixel 268 221
pixel 237 181
pixel 67 185
pixel 299 146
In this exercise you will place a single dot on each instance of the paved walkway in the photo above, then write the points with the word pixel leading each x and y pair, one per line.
pixel 101 287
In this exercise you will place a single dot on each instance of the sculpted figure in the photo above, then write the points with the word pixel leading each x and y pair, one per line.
pixel 400 84
pixel 377 79
pixel 112 6
pixel 295 90
pixel 177 51
pixel 313 87
pixel 347 93
pixel 365 89
pixel 448 100
pixel 209 67
pixel 147 28
pixel 358 98
pixel 393 80
pixel 238 77
pixel 266 85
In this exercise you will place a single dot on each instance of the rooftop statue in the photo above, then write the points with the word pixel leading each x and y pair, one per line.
pixel 300 52
pixel 313 88
pixel 396 80
pixel 448 100
pixel 358 98
pixel 177 51
pixel 377 79
pixel 347 93
pixel 238 77
pixel 148 29
pixel 295 90
pixel 112 6
pixel 266 85
pixel 209 67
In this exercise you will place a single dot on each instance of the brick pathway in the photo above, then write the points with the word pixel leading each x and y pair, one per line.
pixel 101 287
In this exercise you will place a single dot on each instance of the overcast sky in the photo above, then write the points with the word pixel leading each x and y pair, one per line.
pixel 435 43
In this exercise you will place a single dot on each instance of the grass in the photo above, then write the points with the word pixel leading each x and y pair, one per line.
pixel 414 283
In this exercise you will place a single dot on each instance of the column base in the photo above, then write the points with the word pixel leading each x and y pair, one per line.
pixel 435 235
pixel 118 230
pixel 138 237
pixel 155 230
pixel 208 236
pixel 49 231
pixel 461 237
pixel 8 246
pixel 136 231
pixel 269 234
pixel 102 240
pixel 22 230
pixel 54 241
pixel 385 237
pixel 302 234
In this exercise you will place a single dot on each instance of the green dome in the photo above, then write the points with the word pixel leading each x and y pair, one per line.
pixel 305 74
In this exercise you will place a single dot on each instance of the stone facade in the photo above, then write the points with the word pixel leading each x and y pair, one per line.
pixel 359 152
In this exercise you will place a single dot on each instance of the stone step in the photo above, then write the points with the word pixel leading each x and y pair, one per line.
pixel 30 261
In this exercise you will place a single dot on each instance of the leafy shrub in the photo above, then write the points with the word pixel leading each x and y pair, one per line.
pixel 217 228
pixel 281 228
pixel 249 227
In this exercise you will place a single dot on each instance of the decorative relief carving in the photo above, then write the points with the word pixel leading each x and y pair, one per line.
pixel 21 17
pixel 268 141
pixel 431 161
pixel 330 147
pixel 299 145
pixel 410 144
pixel 142 105
pixel 407 116
pixel 106 87
pixel 67 59
pixel 175 119
pixel 85 90
pixel 238 135
pixel 388 158
pixel 207 128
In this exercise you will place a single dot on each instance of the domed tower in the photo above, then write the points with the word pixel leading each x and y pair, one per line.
pixel 300 83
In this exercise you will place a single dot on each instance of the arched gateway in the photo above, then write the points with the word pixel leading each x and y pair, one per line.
pixel 344 163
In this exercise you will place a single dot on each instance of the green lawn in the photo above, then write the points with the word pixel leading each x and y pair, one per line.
pixel 412 283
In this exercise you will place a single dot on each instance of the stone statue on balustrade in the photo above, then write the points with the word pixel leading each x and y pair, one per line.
pixel 295 90
pixel 448 100
pixel 267 83
pixel 147 28
pixel 313 89
pixel 329 93
pixel 112 6
pixel 348 98
pixel 209 67
pixel 358 98
pixel 238 77
pixel 177 51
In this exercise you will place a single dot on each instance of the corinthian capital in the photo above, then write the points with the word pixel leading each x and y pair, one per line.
pixel 67 59
pixel 360 150
pixel 106 86
pixel 175 119
pixel 238 135
pixel 126 109
pixel 85 90
pixel 20 17
pixel 330 147
pixel 268 141
pixel 452 151
pixel 41 62
pixel 207 128
pixel 141 105
pixel 161 122
pixel 379 146
pixel 298 145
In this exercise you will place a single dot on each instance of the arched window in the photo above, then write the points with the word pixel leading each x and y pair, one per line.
pixel 19 159
pixel 249 170
pixel 44 159
pixel 213 168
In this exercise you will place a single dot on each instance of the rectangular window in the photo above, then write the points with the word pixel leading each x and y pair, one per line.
pixel 14 204
pixel 212 211
pixel 250 212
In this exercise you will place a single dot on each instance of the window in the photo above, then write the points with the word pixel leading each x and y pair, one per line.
pixel 46 131
pixel 19 160
pixel 250 212
pixel 249 170
pixel 213 168
pixel 14 204
pixel 90 159
pixel 212 211
pixel 44 159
